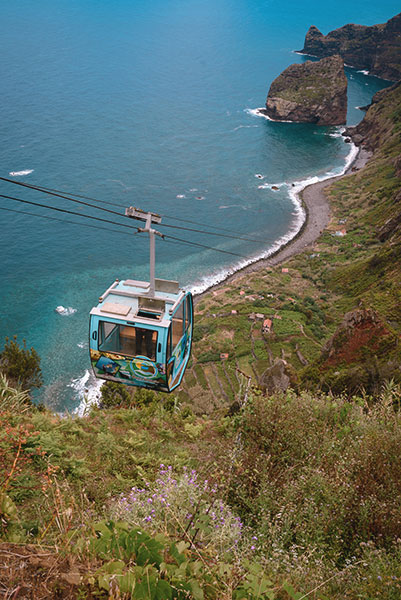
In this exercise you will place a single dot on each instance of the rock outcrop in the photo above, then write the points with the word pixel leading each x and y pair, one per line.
pixel 377 124
pixel 359 329
pixel 276 378
pixel 376 48
pixel 312 92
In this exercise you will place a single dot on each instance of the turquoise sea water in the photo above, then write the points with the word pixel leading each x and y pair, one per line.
pixel 148 104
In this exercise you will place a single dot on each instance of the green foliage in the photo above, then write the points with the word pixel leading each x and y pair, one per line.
pixel 12 398
pixel 144 397
pixel 320 473
pixel 156 568
pixel 113 394
pixel 117 395
pixel 20 365
pixel 209 356
pixel 144 567
pixel 10 527
pixel 200 331
pixel 255 584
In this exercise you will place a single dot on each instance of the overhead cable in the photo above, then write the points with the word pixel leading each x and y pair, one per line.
pixel 60 194
pixel 62 210
pixel 25 212
pixel 70 212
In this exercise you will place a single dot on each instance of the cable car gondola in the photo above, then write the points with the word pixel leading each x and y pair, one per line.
pixel 141 332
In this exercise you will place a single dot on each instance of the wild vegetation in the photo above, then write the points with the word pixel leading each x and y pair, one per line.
pixel 294 495
pixel 233 489
pixel 354 267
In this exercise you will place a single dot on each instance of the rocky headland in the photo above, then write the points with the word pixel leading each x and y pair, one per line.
pixel 368 133
pixel 312 92
pixel 376 48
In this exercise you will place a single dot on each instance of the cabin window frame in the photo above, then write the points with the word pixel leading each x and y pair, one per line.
pixel 180 307
pixel 102 339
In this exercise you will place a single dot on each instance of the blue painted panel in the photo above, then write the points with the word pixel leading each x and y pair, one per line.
pixel 130 370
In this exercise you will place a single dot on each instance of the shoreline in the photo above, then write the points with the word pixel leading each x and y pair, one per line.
pixel 317 216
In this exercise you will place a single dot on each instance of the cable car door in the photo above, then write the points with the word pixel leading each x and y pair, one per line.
pixel 180 341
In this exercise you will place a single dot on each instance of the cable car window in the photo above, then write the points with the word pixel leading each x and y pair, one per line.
pixel 108 337
pixel 178 324
pixel 145 342
pixel 127 340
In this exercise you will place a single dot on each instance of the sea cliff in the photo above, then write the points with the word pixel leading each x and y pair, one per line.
pixel 312 92
pixel 376 48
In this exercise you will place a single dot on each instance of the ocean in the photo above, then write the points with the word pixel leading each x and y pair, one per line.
pixel 148 104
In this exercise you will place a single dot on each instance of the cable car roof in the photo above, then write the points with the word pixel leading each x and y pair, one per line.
pixel 129 300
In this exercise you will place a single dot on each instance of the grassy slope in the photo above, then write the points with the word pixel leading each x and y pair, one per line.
pixel 316 480
pixel 322 283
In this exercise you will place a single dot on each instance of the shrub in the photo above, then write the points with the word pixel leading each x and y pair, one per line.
pixel 20 365
pixel 113 394
pixel 181 506
pixel 320 473
pixel 140 566
pixel 11 398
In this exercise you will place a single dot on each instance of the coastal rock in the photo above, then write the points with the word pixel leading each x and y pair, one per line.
pixel 377 123
pixel 277 377
pixel 375 48
pixel 312 92
pixel 360 328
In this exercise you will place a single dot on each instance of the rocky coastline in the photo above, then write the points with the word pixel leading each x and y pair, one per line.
pixel 317 216
pixel 312 92
pixel 375 48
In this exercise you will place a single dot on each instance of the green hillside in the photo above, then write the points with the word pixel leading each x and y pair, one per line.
pixel 292 495
pixel 358 271
pixel 233 489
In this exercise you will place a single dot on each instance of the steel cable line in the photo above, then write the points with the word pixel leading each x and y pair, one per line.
pixel 60 194
pixel 25 212
pixel 70 212
pixel 63 210
pixel 46 189
pixel 172 237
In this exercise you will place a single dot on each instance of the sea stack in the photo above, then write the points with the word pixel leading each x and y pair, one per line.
pixel 376 48
pixel 312 92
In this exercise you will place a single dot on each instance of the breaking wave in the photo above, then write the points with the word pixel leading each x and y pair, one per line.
pixel 87 389
pixel 294 190
pixel 21 173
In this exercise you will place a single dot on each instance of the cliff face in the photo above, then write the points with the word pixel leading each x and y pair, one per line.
pixel 380 127
pixel 312 92
pixel 376 48
pixel 377 125
pixel 365 350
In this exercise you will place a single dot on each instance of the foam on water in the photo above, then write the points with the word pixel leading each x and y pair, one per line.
pixel 87 389
pixel 244 127
pixel 21 173
pixel 257 112
pixel 270 186
pixel 224 206
pixel 65 311
pixel 294 190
